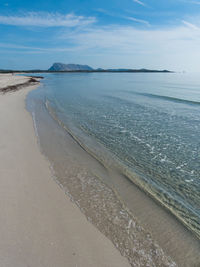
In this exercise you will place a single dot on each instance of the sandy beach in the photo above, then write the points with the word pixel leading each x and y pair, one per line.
pixel 39 225
pixel 10 80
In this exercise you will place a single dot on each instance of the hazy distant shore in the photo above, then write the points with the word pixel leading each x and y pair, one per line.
pixel 89 71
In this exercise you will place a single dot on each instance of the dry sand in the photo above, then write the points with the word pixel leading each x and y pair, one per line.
pixel 39 225
pixel 9 80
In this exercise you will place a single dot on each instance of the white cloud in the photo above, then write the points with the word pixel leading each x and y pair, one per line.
pixel 46 20
pixel 174 48
pixel 139 2
pixel 125 37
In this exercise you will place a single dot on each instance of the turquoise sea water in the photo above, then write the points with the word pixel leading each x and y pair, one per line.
pixel 145 125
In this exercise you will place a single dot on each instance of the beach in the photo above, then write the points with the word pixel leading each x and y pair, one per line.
pixel 39 225
pixel 61 204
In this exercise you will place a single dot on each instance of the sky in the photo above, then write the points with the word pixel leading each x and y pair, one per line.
pixel 154 34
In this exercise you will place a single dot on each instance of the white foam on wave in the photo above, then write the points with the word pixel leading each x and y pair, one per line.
pixel 189 180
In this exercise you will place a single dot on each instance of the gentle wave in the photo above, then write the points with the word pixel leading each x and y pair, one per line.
pixel 185 214
pixel 167 98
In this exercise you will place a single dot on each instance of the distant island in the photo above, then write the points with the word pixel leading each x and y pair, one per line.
pixel 69 67
pixel 61 67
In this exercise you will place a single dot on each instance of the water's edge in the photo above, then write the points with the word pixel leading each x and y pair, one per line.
pixel 107 189
pixel 130 223
pixel 103 207
pixel 134 177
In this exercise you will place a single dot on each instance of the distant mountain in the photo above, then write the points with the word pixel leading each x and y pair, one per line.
pixel 68 67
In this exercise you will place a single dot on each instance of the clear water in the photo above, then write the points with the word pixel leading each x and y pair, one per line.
pixel 146 125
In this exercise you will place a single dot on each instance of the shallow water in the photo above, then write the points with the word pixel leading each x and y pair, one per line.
pixel 143 126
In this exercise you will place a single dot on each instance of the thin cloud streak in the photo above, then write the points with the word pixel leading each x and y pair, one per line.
pixel 31 49
pixel 139 2
pixel 39 19
pixel 190 25
pixel 123 17
pixel 138 20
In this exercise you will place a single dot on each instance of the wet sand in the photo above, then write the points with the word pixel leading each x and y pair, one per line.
pixel 39 225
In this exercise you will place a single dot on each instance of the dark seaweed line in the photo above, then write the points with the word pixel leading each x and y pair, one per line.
pixel 13 88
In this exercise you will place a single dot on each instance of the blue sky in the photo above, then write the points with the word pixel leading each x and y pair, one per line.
pixel 158 34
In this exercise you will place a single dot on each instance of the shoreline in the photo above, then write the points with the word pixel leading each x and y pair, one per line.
pixel 117 167
pixel 40 226
pixel 176 240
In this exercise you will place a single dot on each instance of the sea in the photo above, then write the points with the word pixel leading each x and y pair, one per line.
pixel 143 127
